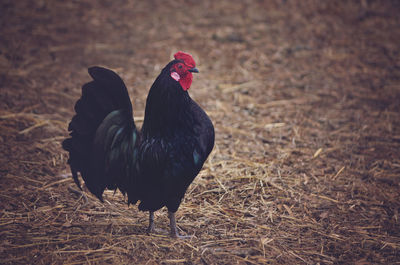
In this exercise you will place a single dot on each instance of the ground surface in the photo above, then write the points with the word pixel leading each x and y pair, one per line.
pixel 305 98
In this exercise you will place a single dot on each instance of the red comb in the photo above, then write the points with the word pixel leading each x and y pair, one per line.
pixel 186 57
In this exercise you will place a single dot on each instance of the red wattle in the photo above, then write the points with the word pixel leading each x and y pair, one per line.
pixel 186 81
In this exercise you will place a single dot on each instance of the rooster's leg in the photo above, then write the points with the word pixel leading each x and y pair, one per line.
pixel 172 225
pixel 150 229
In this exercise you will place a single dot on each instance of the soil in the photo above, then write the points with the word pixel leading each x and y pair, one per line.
pixel 305 99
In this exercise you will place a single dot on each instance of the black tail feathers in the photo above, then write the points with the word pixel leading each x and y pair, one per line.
pixel 106 93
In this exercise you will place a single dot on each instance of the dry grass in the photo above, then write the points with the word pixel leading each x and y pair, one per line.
pixel 305 100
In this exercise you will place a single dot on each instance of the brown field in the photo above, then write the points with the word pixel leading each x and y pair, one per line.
pixel 305 99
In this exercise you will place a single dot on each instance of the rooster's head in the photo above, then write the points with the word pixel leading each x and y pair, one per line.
pixel 182 70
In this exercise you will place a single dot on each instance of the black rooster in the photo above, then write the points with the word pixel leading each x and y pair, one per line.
pixel 155 165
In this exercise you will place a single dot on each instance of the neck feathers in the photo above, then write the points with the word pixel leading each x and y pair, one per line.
pixel 167 107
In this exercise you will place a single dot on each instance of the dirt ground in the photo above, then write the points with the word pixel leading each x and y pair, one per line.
pixel 305 99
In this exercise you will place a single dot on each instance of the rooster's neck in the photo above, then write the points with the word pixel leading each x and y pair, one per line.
pixel 167 108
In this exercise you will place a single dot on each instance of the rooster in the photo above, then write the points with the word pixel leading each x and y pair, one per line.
pixel 154 165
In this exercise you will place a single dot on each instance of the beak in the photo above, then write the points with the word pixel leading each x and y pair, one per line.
pixel 194 70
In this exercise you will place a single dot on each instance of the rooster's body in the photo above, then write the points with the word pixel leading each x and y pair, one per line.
pixel 155 165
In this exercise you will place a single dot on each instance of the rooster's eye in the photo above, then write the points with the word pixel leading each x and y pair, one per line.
pixel 179 66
